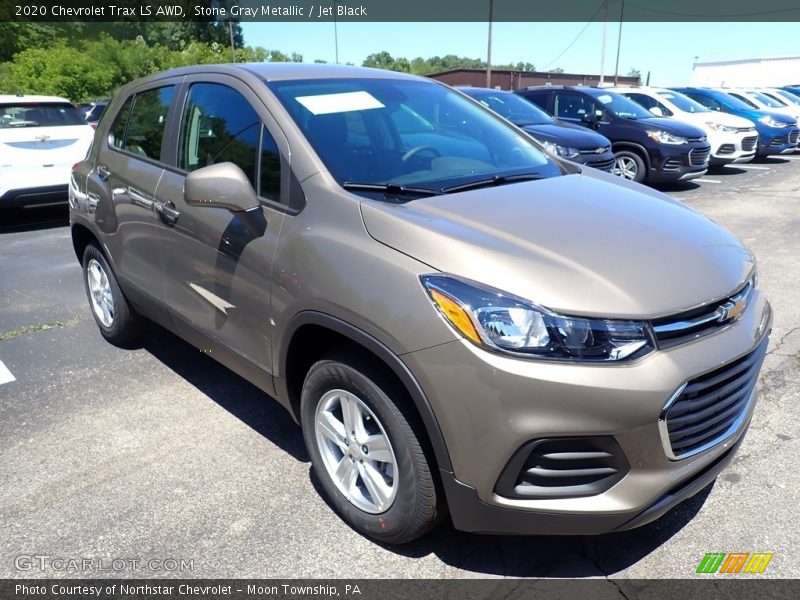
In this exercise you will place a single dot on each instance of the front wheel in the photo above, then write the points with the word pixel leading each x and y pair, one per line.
pixel 629 165
pixel 369 459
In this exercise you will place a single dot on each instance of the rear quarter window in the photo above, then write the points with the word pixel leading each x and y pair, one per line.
pixel 140 123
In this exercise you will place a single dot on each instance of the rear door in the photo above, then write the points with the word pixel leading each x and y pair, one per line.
pixel 122 184
pixel 218 263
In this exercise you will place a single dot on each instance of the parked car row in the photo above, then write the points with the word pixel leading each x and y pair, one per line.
pixel 654 134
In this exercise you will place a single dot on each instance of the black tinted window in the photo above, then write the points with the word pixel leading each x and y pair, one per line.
pixel 43 114
pixel 270 168
pixel 219 125
pixel 143 133
pixel 118 131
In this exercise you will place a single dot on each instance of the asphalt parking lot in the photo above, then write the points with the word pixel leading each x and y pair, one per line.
pixel 160 453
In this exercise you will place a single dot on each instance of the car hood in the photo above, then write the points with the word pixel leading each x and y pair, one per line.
pixel 674 126
pixel 700 119
pixel 567 135
pixel 586 244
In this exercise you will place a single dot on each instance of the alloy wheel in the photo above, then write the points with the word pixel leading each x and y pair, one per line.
pixel 100 293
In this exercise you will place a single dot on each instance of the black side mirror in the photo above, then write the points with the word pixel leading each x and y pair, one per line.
pixel 223 185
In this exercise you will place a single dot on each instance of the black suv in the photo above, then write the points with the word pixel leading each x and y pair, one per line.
pixel 646 148
pixel 562 139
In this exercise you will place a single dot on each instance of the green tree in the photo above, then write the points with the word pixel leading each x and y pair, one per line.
pixel 635 73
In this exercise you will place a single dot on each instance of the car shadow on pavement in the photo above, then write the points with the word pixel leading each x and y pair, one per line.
pixel 512 556
pixel 239 397
pixel 553 556
pixel 18 220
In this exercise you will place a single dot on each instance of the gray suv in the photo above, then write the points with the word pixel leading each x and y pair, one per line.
pixel 459 321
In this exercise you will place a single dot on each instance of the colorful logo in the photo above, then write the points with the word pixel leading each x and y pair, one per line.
pixel 734 562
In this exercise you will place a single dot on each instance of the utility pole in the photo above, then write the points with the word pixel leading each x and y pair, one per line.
pixel 603 49
pixel 619 41
pixel 489 48
pixel 233 47
pixel 336 30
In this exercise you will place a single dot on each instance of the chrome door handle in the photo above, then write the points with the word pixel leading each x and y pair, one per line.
pixel 103 173
pixel 169 213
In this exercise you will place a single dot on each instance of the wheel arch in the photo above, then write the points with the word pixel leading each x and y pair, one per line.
pixel 312 334
pixel 633 147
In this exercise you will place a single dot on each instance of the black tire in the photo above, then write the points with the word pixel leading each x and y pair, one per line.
pixel 124 328
pixel 634 165
pixel 417 506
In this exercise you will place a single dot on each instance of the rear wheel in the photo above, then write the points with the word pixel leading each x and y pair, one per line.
pixel 111 311
pixel 369 459
pixel 629 165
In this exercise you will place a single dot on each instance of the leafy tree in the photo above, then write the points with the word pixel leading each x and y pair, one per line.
pixel 634 73
pixel 556 70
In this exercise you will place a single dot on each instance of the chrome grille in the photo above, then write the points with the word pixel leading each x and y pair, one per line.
pixel 699 156
pixel 749 143
pixel 603 165
pixel 711 407
pixel 793 136
pixel 690 325
pixel 598 150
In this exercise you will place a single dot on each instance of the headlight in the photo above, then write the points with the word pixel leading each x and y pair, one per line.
pixel 714 126
pixel 664 137
pixel 770 122
pixel 562 151
pixel 501 322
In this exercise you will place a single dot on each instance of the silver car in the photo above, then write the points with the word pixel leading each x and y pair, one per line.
pixel 459 321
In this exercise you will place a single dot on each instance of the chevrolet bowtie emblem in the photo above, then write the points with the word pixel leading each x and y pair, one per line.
pixel 600 150
pixel 42 138
pixel 731 310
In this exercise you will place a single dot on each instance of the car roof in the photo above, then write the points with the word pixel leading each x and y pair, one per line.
pixel 26 99
pixel 290 71
pixel 472 88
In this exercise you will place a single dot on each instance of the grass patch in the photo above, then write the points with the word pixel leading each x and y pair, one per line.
pixel 14 333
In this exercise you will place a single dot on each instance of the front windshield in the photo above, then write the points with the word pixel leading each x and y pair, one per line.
pixel 747 102
pixel 764 99
pixel 514 108
pixel 406 133
pixel 622 107
pixel 684 103
pixel 733 102
pixel 787 97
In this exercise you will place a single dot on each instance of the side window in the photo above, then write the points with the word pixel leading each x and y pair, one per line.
pixel 573 106
pixel 664 110
pixel 118 130
pixel 219 125
pixel 539 99
pixel 270 168
pixel 143 133
pixel 709 103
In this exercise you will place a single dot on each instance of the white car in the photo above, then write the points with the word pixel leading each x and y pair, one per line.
pixel 733 139
pixel 41 138
pixel 762 101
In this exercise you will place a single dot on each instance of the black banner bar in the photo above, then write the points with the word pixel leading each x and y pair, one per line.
pixel 401 10
pixel 711 587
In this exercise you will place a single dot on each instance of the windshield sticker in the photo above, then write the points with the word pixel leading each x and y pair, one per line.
pixel 605 99
pixel 324 104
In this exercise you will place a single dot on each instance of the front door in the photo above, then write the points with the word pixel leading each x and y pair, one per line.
pixel 218 263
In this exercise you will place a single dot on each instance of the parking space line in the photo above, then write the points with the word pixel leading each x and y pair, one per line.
pixel 5 374
pixel 791 156
pixel 748 167
pixel 704 180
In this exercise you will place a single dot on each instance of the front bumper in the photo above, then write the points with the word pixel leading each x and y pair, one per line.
pixel 488 406
pixel 783 143
pixel 50 195
pixel 732 148
pixel 680 163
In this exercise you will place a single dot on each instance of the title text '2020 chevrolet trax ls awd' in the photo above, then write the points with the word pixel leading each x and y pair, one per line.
pixel 459 321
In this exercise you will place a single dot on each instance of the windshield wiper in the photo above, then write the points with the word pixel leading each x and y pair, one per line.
pixel 495 180
pixel 390 189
